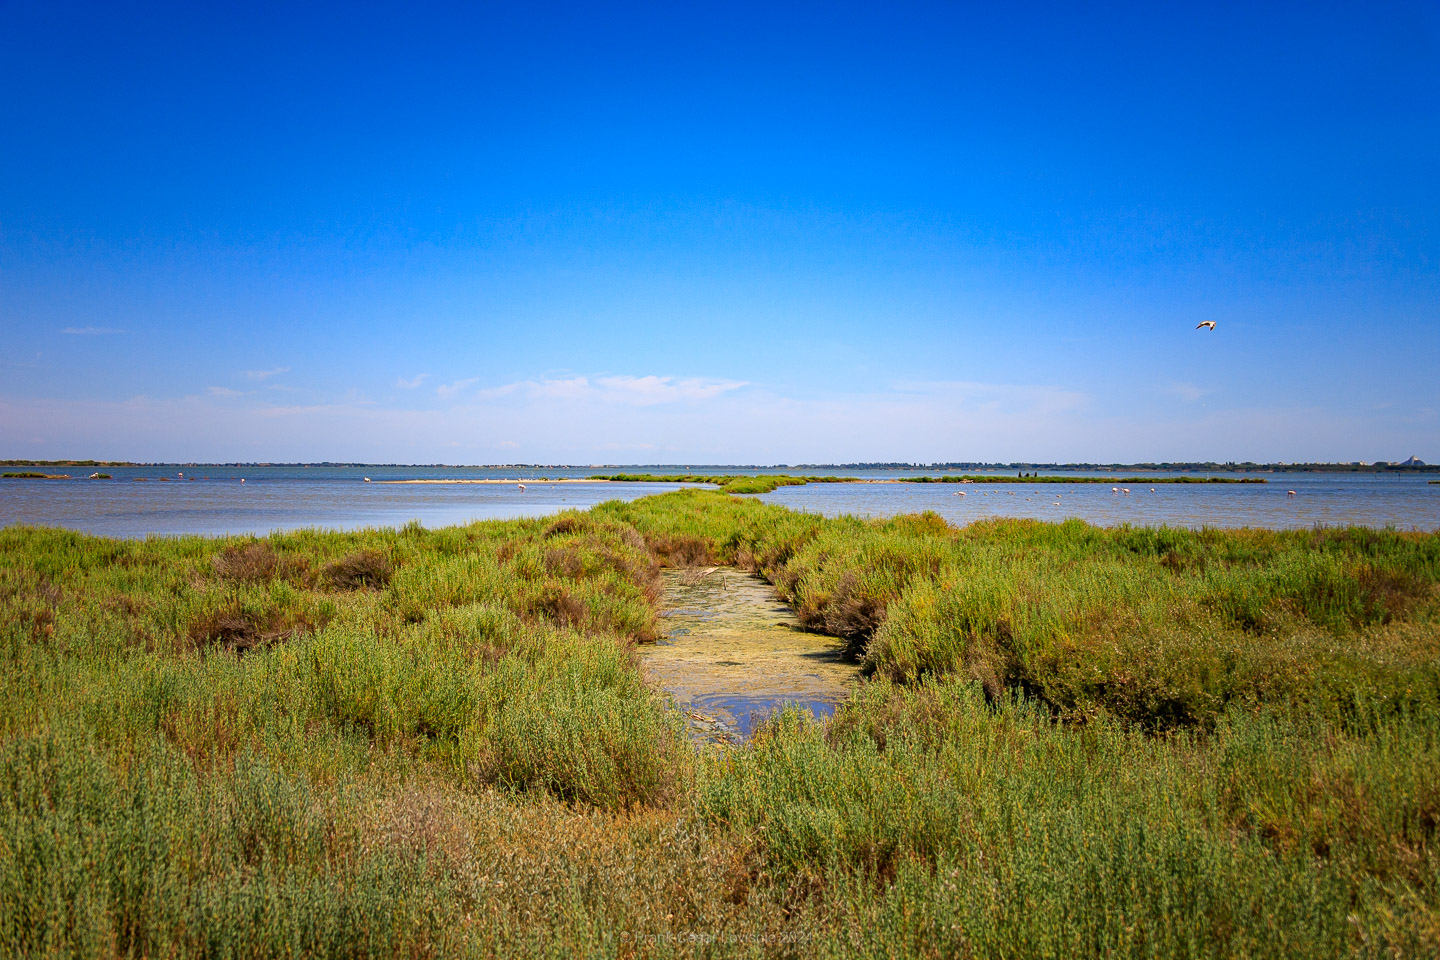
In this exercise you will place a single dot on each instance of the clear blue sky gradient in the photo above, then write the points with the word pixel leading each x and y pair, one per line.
pixel 719 233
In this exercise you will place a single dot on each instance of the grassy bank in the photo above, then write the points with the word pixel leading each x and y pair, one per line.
pixel 1073 741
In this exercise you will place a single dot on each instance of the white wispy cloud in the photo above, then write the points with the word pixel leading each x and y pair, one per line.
pixel 265 374
pixel 223 392
pixel 92 331
pixel 644 391
pixel 1188 392
pixel 451 389
pixel 413 382
pixel 622 390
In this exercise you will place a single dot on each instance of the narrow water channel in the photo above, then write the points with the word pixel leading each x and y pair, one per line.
pixel 734 654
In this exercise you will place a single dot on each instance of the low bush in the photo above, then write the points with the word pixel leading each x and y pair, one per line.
pixel 363 568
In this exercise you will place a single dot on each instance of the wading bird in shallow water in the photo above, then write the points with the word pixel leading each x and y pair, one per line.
pixel 1289 493
pixel 520 485
pixel 1208 324
pixel 367 479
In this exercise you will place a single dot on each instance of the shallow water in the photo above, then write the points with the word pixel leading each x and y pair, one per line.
pixel 212 500
pixel 734 654
pixel 1403 502
pixel 146 501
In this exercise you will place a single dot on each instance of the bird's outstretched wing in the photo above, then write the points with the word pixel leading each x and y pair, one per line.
pixel 1205 323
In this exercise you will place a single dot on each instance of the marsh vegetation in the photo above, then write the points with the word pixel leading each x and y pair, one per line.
pixel 1071 741
pixel 729 483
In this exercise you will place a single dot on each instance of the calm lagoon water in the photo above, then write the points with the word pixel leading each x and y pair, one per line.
pixel 1403 502
pixel 212 500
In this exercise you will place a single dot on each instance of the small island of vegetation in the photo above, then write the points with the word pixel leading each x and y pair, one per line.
pixel 729 483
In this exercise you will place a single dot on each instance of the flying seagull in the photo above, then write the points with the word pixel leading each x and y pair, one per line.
pixel 1205 323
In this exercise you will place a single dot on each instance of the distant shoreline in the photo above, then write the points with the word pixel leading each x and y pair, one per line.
pixel 949 467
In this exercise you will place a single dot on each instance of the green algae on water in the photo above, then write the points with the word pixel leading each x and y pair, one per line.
pixel 734 654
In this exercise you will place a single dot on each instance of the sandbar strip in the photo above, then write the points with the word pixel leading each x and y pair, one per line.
pixel 526 480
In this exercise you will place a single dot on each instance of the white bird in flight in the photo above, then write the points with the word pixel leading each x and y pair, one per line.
pixel 1205 323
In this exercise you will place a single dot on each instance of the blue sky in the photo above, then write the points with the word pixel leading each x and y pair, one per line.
pixel 719 233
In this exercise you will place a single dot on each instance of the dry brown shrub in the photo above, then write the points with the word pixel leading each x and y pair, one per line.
pixel 1178 562
pixel 632 538
pixel 42 621
pixel 988 661
pixel 564 562
pixel 233 628
pixel 560 606
pixel 564 525
pixel 1389 595
pixel 258 562
pixel 848 613
pixel 680 550
pixel 252 563
pixel 363 568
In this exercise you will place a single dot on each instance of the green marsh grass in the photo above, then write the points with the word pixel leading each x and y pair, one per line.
pixel 1072 741
pixel 738 483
